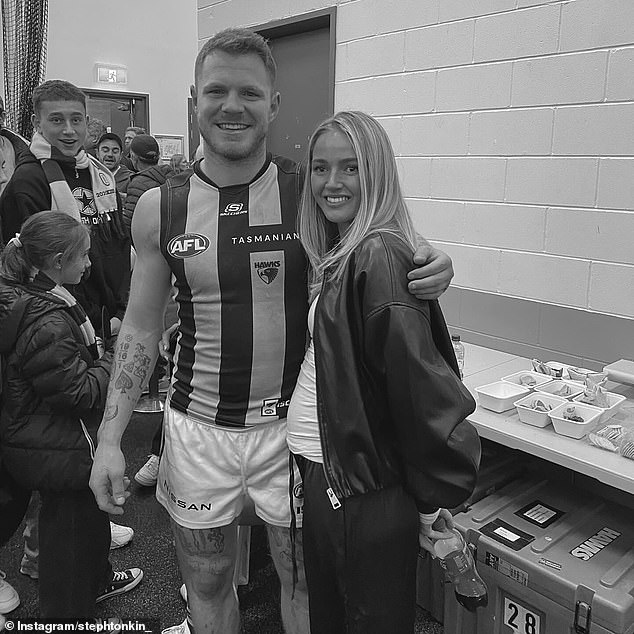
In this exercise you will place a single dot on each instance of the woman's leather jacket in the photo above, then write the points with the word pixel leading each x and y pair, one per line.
pixel 390 402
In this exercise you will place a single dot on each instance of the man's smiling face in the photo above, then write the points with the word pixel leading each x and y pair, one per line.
pixel 62 124
pixel 235 102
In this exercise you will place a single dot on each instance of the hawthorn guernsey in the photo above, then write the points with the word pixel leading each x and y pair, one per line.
pixel 240 276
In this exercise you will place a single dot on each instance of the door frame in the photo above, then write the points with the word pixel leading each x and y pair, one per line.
pixel 121 94
pixel 323 18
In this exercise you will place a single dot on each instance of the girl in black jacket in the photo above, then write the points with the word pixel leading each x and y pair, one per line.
pixel 54 387
pixel 378 414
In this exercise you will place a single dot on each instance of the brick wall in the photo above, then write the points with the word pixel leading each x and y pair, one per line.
pixel 513 124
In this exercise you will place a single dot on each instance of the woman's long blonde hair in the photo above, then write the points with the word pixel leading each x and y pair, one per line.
pixel 381 208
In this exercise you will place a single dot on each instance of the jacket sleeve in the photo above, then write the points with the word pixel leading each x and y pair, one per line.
pixel 138 185
pixel 16 206
pixel 427 405
pixel 53 363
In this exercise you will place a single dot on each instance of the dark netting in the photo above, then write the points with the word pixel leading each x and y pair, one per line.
pixel 24 28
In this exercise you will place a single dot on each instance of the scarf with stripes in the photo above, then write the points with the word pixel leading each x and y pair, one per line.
pixel 80 317
pixel 62 199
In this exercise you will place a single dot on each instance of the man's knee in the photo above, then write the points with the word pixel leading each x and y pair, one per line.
pixel 206 558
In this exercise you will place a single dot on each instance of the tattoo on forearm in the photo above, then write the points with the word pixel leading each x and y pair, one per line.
pixel 110 412
pixel 133 365
pixel 123 383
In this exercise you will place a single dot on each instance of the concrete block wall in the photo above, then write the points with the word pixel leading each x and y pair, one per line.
pixel 513 125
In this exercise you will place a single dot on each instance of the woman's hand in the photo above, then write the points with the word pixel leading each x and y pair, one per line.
pixel 439 529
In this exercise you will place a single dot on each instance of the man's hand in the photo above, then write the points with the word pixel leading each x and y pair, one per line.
pixel 164 343
pixel 433 277
pixel 440 529
pixel 107 481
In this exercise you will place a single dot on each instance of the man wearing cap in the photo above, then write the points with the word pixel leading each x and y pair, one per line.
pixel 109 152
pixel 144 154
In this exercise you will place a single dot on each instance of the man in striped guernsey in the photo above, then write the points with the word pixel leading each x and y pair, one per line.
pixel 225 237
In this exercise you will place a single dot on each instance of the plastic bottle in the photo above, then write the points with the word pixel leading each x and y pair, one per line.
pixel 457 561
pixel 458 348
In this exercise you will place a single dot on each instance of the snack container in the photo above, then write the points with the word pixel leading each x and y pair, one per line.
pixel 540 379
pixel 615 401
pixel 533 417
pixel 579 374
pixel 562 367
pixel 554 386
pixel 572 428
pixel 500 395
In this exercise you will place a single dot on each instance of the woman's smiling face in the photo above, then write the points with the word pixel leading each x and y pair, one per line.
pixel 334 178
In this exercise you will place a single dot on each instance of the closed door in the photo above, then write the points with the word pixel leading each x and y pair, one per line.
pixel 304 80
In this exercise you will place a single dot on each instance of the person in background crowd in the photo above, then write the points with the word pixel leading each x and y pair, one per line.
pixel 179 163
pixel 144 154
pixel 54 389
pixel 109 152
pixel 129 134
pixel 389 440
pixel 225 233
pixel 11 146
pixel 95 129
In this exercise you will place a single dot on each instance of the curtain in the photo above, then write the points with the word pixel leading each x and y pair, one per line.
pixel 24 31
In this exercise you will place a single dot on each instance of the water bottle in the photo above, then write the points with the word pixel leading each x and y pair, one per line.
pixel 457 561
pixel 458 348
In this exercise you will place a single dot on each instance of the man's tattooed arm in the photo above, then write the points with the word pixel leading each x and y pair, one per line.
pixel 134 359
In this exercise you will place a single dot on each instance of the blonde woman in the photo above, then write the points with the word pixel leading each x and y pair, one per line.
pixel 377 420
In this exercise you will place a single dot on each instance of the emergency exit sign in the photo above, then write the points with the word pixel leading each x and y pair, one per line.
pixel 111 74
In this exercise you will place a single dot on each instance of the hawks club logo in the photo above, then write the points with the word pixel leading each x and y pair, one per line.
pixel 267 271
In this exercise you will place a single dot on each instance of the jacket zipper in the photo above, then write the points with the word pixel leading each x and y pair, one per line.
pixel 333 492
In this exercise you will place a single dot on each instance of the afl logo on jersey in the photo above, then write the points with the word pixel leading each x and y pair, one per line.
pixel 187 245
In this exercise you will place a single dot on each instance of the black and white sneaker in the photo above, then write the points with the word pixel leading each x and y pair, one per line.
pixel 122 581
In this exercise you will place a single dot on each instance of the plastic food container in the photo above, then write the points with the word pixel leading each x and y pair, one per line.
pixel 554 387
pixel 561 367
pixel 531 416
pixel 540 379
pixel 579 374
pixel 572 428
pixel 501 395
pixel 615 401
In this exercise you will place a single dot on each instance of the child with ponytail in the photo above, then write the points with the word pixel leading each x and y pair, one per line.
pixel 54 388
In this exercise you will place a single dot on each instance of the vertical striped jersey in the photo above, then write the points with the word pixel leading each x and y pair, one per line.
pixel 240 276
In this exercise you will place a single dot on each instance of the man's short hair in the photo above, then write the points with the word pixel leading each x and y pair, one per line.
pixel 146 148
pixel 57 90
pixel 110 136
pixel 136 129
pixel 237 41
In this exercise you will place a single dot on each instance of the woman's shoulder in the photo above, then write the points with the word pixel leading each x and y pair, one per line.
pixel 381 264
pixel 383 249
